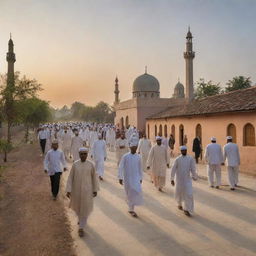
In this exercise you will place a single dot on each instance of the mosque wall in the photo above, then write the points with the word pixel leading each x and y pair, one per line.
pixel 212 126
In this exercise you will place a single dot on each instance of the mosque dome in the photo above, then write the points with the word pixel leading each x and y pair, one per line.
pixel 179 90
pixel 146 83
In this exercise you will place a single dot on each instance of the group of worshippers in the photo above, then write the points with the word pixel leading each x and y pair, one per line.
pixel 82 185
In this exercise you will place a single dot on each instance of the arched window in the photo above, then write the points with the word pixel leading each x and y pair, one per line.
pixel 165 131
pixel 249 135
pixel 173 131
pixel 160 130
pixel 155 130
pixel 231 131
pixel 199 132
pixel 122 123
pixel 148 131
pixel 126 121
pixel 181 135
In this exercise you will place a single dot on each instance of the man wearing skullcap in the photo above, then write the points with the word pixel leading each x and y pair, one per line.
pixel 158 160
pixel 183 168
pixel 232 157
pixel 82 187
pixel 54 162
pixel 214 158
pixel 130 175
pixel 99 155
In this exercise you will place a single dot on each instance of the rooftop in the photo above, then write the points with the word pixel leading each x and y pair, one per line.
pixel 240 100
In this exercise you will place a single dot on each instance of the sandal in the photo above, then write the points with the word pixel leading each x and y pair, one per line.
pixel 81 232
pixel 134 214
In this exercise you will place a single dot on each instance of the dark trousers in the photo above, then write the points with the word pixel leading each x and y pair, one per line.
pixel 55 183
pixel 42 144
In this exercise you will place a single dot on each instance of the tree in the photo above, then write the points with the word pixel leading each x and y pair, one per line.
pixel 5 147
pixel 22 89
pixel 205 89
pixel 32 112
pixel 77 109
pixel 237 83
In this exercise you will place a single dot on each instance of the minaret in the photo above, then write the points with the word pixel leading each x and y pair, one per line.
pixel 189 56
pixel 10 58
pixel 116 91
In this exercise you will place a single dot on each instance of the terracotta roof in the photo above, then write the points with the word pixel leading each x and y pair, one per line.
pixel 240 100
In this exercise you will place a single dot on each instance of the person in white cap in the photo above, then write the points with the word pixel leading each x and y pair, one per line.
pixel 76 143
pixel 183 168
pixel 214 158
pixel 99 155
pixel 130 175
pixel 158 160
pixel 232 157
pixel 121 147
pixel 82 187
pixel 143 149
pixel 54 162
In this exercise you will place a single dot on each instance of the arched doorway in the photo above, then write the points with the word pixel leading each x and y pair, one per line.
pixel 148 131
pixel 181 134
pixel 199 132
pixel 126 122
pixel 155 130
pixel 160 130
pixel 173 131
pixel 122 123
pixel 249 135
pixel 231 131
pixel 165 131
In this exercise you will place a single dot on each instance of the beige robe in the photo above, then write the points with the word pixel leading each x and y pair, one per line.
pixel 82 182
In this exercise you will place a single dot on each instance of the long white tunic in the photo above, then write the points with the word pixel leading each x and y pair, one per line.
pixel 130 171
pixel 66 140
pixel 76 143
pixel 54 161
pixel 182 168
pixel 231 153
pixel 99 154
pixel 82 182
pixel 143 149
pixel 158 159
pixel 121 148
pixel 213 154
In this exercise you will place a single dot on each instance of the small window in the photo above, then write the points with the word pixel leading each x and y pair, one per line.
pixel 231 131
pixel 249 135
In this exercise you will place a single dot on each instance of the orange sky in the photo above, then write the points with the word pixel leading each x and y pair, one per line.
pixel 76 48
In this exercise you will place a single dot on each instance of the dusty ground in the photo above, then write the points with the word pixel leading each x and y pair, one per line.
pixel 31 223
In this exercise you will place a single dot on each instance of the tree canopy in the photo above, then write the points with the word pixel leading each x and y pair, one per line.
pixel 237 83
pixel 205 89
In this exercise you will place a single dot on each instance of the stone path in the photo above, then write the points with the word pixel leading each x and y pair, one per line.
pixel 224 222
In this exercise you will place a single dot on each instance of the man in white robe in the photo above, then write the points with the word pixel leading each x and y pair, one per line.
pixel 143 149
pixel 66 143
pixel 121 147
pixel 183 167
pixel 54 163
pixel 214 158
pixel 99 155
pixel 158 160
pixel 112 139
pixel 232 157
pixel 82 186
pixel 130 175
pixel 76 143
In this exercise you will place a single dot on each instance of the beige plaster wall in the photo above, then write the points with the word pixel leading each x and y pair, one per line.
pixel 213 126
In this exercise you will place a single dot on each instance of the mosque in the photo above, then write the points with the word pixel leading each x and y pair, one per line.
pixel 228 114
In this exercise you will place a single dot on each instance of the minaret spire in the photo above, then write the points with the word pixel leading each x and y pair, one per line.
pixel 189 56
pixel 117 100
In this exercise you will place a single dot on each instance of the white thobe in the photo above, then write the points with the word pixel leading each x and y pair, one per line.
pixel 112 139
pixel 121 148
pixel 99 155
pixel 214 158
pixel 232 157
pixel 66 143
pixel 182 168
pixel 76 143
pixel 143 149
pixel 81 183
pixel 130 171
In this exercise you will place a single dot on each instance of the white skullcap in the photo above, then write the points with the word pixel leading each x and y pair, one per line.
pixel 55 141
pixel 158 138
pixel 83 149
pixel 229 138
pixel 213 139
pixel 134 141
pixel 183 147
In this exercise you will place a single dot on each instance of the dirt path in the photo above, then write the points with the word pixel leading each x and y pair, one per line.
pixel 31 223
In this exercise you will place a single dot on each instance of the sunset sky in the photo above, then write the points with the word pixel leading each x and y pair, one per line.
pixel 76 48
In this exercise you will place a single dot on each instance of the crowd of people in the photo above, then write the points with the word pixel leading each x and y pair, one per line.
pixel 86 144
